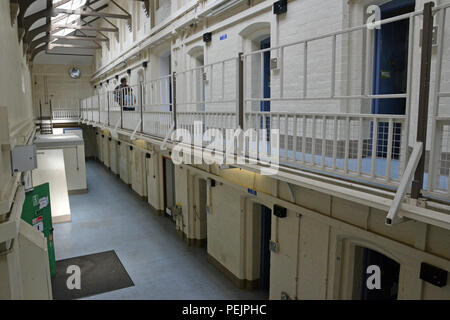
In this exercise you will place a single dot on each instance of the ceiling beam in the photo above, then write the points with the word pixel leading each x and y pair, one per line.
pixel 80 38
pixel 81 27
pixel 84 13
pixel 72 46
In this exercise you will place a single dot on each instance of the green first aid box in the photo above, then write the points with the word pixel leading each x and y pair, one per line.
pixel 37 212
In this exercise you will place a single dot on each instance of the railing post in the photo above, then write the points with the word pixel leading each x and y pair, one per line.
pixel 174 100
pixel 240 93
pixel 51 109
pixel 107 98
pixel 99 107
pixel 424 93
pixel 142 105
pixel 122 92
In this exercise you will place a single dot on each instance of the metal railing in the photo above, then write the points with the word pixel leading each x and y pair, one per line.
pixel 326 122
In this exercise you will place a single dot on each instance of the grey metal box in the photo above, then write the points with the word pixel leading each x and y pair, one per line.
pixel 23 158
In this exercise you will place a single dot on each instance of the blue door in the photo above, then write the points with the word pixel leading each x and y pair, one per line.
pixel 390 70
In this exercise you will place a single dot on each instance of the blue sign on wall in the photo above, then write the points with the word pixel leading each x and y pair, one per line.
pixel 224 37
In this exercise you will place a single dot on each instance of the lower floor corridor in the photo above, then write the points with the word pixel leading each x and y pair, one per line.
pixel 162 266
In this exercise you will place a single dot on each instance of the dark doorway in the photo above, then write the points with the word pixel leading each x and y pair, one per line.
pixel 265 105
pixel 390 271
pixel 169 186
pixel 266 230
pixel 201 214
pixel 390 70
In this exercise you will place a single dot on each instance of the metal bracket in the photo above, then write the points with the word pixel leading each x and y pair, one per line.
pixel 14 10
pixel 129 20
pixel 392 216
pixel 291 191
pixel 135 130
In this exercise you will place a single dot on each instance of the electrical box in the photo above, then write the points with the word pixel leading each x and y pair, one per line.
pixel 274 246
pixel 280 7
pixel 279 211
pixel 434 275
pixel 23 158
pixel 207 37
pixel 274 64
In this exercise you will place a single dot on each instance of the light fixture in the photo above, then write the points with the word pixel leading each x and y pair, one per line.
pixel 74 73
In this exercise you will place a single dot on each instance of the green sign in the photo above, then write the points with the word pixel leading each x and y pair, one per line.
pixel 37 212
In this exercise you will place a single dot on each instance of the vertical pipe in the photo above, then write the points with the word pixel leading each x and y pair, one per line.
pixel 425 69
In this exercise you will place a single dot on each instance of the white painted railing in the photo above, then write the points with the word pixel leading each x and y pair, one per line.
pixel 366 146
pixel 66 114
pixel 326 123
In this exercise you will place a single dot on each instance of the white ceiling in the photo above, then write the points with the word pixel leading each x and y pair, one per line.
pixel 64 55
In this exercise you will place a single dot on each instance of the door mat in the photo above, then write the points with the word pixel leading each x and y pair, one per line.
pixel 98 273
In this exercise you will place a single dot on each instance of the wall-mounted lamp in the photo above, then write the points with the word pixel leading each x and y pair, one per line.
pixel 129 71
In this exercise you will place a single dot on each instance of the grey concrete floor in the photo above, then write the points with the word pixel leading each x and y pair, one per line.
pixel 160 263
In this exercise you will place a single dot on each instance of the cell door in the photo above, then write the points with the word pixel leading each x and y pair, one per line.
pixel 266 230
pixel 390 70
pixel 169 186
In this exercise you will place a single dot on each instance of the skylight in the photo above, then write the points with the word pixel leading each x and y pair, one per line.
pixel 67 18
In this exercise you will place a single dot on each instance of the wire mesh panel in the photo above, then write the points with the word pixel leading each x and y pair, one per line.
pixel 95 107
pixel 115 111
pixel 103 98
pixel 208 94
pixel 129 100
pixel 437 176
pixel 157 106
pixel 366 146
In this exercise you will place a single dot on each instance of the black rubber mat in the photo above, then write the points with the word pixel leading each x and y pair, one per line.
pixel 99 273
